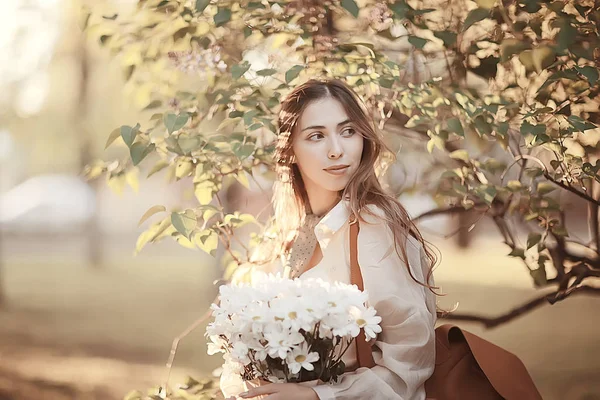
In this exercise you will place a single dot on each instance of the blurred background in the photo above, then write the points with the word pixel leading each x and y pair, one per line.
pixel 82 317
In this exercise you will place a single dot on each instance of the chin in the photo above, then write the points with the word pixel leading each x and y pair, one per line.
pixel 337 187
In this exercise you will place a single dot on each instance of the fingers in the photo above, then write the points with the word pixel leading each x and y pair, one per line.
pixel 263 389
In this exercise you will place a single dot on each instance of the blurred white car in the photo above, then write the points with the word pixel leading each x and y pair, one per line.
pixel 47 203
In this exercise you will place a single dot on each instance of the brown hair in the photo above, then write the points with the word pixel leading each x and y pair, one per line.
pixel 289 196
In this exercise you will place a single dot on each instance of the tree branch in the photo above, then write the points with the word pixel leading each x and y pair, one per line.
pixel 440 211
pixel 571 189
pixel 518 311
pixel 551 179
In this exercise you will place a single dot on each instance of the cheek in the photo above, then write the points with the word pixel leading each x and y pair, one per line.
pixel 357 147
pixel 305 156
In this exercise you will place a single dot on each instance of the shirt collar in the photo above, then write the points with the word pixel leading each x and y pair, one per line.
pixel 332 222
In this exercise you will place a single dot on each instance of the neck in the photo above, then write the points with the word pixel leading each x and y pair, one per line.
pixel 322 201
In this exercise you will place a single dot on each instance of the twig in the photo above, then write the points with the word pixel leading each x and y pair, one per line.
pixel 176 341
pixel 593 217
pixel 572 190
pixel 551 179
pixel 438 211
pixel 518 311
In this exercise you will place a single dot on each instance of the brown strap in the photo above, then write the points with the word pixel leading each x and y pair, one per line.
pixel 364 354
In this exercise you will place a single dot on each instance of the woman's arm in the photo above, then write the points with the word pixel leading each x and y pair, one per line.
pixel 405 354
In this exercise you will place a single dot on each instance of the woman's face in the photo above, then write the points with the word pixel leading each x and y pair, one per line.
pixel 323 138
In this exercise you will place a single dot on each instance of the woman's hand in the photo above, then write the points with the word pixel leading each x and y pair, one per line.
pixel 282 391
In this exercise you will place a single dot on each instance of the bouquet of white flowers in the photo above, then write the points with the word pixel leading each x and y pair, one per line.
pixel 283 330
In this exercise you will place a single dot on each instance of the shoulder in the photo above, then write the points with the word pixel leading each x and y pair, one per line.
pixel 376 222
pixel 398 260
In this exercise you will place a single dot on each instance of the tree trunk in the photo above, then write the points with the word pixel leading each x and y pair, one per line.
pixel 93 234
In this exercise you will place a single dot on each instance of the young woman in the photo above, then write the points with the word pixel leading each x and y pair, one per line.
pixel 326 158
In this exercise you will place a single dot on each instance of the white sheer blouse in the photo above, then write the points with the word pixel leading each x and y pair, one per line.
pixel 404 352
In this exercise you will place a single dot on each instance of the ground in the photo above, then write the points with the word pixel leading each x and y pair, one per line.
pixel 69 330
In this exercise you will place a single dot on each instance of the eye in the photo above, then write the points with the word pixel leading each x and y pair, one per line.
pixel 316 136
pixel 348 131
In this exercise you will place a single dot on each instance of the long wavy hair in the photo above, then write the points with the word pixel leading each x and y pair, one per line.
pixel 290 200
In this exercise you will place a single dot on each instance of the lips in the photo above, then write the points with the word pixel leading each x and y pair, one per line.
pixel 336 168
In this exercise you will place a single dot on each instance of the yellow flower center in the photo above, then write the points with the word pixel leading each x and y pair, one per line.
pixel 361 322
pixel 300 358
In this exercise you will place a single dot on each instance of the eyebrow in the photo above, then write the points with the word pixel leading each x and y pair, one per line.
pixel 322 127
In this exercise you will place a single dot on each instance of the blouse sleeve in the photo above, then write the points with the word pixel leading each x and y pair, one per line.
pixel 230 383
pixel 404 352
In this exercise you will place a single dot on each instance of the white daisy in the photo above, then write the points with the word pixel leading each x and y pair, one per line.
pixel 281 340
pixel 367 320
pixel 301 358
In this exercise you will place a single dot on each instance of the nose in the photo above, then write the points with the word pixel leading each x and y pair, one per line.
pixel 335 148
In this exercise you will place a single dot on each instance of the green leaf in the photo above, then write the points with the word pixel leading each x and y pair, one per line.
pixel 460 154
pixel 183 168
pixel 545 188
pixel 539 276
pixel 112 137
pixel 249 116
pixel 243 151
pixel 417 41
pixel 293 73
pixel 526 58
pixel 159 166
pixel 175 122
pixel 567 35
pixel 510 47
pixel 386 82
pixel 560 230
pixel 207 240
pixel 400 8
pixel 153 104
pixel 351 7
pixel 455 126
pixel 531 217
pixel 448 37
pixel 266 72
pixel 543 57
pixel 201 5
pixel 128 134
pixel 139 151
pixel 533 239
pixel 590 73
pixel 423 11
pixel 487 4
pixel 184 222
pixel 528 128
pixel 134 395
pixel 242 178
pixel 152 233
pixel 517 252
pixel 581 9
pixel 580 124
pixel 222 16
pixel 151 211
pixel 430 146
pixel 205 191
pixel 187 144
pixel 239 69
pixel 487 194
pixel 532 6
pixel 474 16
pixel 514 186
pixel 482 126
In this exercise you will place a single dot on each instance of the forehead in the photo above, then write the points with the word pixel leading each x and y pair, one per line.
pixel 326 112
